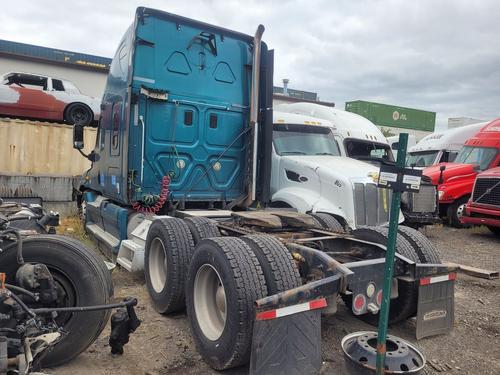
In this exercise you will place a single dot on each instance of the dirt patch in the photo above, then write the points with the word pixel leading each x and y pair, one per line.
pixel 163 344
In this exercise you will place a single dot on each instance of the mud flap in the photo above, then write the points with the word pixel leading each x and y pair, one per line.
pixel 436 306
pixel 287 345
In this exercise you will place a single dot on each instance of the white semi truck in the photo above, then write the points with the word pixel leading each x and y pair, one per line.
pixel 358 138
pixel 310 173
pixel 442 146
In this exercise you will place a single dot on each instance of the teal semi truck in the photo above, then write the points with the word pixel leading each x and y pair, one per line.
pixel 180 188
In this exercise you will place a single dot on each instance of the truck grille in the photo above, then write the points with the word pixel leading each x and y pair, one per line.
pixel 487 191
pixel 424 200
pixel 371 204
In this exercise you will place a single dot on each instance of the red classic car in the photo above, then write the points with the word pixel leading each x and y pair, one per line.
pixel 41 97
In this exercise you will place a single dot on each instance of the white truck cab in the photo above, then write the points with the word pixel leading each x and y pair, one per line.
pixel 441 147
pixel 393 140
pixel 358 138
pixel 310 174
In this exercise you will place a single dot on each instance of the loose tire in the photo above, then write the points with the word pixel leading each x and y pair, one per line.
pixel 78 114
pixel 329 222
pixel 83 277
pixel 425 249
pixel 169 247
pixel 201 228
pixel 455 212
pixel 224 281
pixel 405 305
pixel 278 266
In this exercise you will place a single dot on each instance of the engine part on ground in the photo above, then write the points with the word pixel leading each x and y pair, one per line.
pixel 44 281
pixel 123 323
pixel 33 217
pixel 360 353
pixel 37 277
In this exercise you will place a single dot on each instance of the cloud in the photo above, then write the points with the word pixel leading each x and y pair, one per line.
pixel 440 56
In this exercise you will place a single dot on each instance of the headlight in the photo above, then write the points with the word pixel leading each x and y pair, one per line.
pixel 440 194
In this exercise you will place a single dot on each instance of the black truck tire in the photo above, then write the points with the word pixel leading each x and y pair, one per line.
pixel 405 305
pixel 222 329
pixel 82 275
pixel 201 228
pixel 278 266
pixel 169 247
pixel 328 222
pixel 425 249
pixel 455 212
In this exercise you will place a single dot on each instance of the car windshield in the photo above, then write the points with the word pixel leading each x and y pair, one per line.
pixel 291 139
pixel 366 150
pixel 421 158
pixel 481 156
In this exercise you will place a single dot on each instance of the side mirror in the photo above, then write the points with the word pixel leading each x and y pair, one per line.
pixel 395 145
pixel 441 170
pixel 78 137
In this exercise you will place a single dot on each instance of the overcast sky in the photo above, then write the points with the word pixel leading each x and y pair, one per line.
pixel 442 56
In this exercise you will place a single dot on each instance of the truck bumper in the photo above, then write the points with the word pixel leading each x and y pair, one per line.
pixel 421 218
pixel 481 216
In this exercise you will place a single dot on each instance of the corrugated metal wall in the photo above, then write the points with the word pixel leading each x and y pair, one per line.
pixel 41 148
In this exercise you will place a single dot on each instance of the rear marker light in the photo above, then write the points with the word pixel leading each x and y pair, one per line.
pixel 289 310
pixel 370 290
pixel 438 279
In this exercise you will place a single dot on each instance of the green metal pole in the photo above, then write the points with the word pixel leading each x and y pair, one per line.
pixel 389 262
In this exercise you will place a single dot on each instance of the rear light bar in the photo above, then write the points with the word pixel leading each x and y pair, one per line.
pixel 438 279
pixel 294 309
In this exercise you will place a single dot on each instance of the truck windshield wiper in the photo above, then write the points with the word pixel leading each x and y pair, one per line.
pixel 293 153
pixel 325 153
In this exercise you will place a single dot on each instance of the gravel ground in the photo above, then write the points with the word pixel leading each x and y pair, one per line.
pixel 163 345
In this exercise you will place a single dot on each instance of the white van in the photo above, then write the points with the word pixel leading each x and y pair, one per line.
pixel 441 147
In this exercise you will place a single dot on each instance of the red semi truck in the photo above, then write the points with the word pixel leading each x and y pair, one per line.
pixel 456 180
pixel 484 204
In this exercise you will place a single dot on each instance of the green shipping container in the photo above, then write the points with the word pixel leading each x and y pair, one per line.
pixel 393 116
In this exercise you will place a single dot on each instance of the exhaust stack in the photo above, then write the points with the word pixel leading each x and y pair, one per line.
pixel 254 111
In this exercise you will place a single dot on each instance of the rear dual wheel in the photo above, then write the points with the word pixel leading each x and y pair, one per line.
pixel 218 282
pixel 226 276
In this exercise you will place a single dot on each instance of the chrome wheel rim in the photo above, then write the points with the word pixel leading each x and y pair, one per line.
pixel 210 304
pixel 157 265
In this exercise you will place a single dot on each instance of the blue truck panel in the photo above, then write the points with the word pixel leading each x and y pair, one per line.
pixel 176 103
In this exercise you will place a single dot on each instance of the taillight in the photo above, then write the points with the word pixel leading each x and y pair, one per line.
pixel 379 297
pixel 359 302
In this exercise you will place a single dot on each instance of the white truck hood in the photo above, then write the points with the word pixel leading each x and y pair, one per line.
pixel 347 167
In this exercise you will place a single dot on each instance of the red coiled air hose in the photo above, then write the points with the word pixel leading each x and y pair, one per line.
pixel 165 184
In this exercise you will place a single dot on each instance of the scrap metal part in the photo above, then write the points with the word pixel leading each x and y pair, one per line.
pixel 360 353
